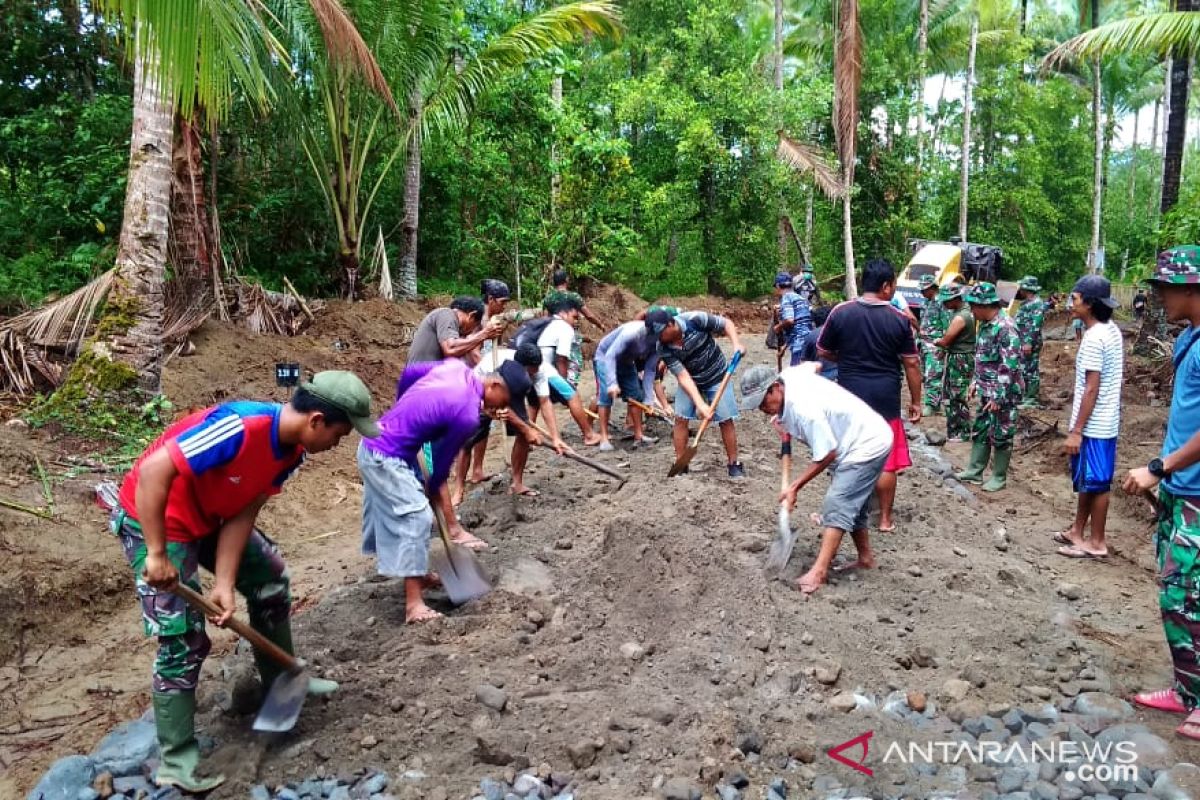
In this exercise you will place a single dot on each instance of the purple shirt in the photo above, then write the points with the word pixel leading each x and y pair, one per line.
pixel 437 402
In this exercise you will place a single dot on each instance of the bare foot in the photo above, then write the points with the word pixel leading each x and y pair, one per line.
pixel 1190 729
pixel 420 613
pixel 810 581
pixel 479 477
pixel 463 539
pixel 862 562
pixel 593 440
pixel 1068 538
pixel 523 491
pixel 887 527
pixel 431 581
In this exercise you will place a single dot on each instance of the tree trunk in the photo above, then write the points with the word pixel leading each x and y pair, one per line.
pixel 1156 136
pixel 848 236
pixel 781 235
pixel 556 100
pixel 1093 258
pixel 410 228
pixel 966 137
pixel 922 68
pixel 1176 121
pixel 129 333
pixel 1024 17
pixel 1129 194
pixel 808 221
pixel 190 245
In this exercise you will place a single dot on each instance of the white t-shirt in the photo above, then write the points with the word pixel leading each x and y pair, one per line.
pixel 828 418
pixel 541 386
pixel 1102 350
pixel 556 340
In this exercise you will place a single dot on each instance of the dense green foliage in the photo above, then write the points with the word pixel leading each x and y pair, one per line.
pixel 663 148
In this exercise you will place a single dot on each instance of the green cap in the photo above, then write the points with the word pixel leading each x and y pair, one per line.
pixel 983 294
pixel 926 282
pixel 949 292
pixel 1030 284
pixel 344 390
pixel 1179 265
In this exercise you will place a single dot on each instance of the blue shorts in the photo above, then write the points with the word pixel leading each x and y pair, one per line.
pixel 1092 470
pixel 797 358
pixel 561 390
pixel 726 409
pixel 627 380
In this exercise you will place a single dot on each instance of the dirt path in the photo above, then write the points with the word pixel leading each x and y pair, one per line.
pixel 673 567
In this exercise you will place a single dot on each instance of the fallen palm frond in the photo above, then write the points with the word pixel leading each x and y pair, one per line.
pixel 812 161
pixel 264 311
pixel 379 266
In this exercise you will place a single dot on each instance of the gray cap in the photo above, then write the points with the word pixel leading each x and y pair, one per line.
pixel 756 382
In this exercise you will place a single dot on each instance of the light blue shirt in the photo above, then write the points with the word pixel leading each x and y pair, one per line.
pixel 1184 419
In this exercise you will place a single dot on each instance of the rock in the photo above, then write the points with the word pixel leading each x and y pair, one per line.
pixel 493 789
pixel 1102 706
pixel 750 742
pixel 1000 540
pixel 132 786
pixel 103 785
pixel 123 751
pixel 958 551
pixel 1044 791
pixel 804 752
pixel 633 651
pixel 620 742
pixel 1013 720
pixel 1153 752
pixel 727 792
pixel 935 437
pixel 843 701
pixel 582 754
pixel 761 642
pixel 1071 591
pixel 259 792
pixel 1010 779
pixel 527 785
pixel 914 571
pixel 806 638
pixel 923 657
pixel 917 701
pixel 369 741
pixel 396 704
pixel 738 780
pixel 956 689
pixel 679 789
pixel 828 675
pixel 662 713
pixel 1180 782
pixel 17 424
pixel 65 778
pixel 1040 692
pixel 491 697
pixel 288 793
pixel 536 617
pixel 375 783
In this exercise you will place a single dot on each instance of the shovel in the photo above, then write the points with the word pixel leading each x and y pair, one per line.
pixel 781 548
pixel 651 411
pixel 571 454
pixel 682 462
pixel 461 573
pixel 285 698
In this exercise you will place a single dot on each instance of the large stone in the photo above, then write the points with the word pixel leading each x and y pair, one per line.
pixel 491 697
pixel 1153 752
pixel 1180 782
pixel 828 674
pixel 124 750
pixel 843 701
pixel 1010 779
pixel 582 753
pixel 65 779
pixel 1102 706
pixel 680 789
pixel 633 651
pixel 955 689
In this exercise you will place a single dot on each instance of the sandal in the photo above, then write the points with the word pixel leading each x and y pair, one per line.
pixel 1074 551
pixel 1190 729
pixel 472 543
pixel 526 492
pixel 1062 538
pixel 1161 700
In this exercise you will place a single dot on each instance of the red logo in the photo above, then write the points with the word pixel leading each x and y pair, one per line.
pixel 835 752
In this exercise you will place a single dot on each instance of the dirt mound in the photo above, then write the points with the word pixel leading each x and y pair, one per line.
pixel 749 316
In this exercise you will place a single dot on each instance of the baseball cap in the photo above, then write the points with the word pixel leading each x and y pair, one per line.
pixel 656 321
pixel 1179 265
pixel 756 382
pixel 783 279
pixel 1095 287
pixel 344 390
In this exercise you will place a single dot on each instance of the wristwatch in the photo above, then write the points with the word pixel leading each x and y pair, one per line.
pixel 1157 469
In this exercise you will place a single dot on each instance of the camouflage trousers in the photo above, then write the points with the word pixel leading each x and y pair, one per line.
pixel 933 374
pixel 959 369
pixel 1177 548
pixel 1031 367
pixel 998 428
pixel 182 642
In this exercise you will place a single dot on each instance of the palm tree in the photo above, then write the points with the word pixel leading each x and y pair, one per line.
pixel 187 55
pixel 847 78
pixel 415 43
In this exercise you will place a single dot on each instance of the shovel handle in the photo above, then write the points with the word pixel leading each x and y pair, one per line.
pixel 733 365
pixel 439 515
pixel 785 465
pixel 587 462
pixel 261 643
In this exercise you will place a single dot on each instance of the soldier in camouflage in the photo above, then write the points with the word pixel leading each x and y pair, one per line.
pixel 1176 475
pixel 999 383
pixel 934 319
pixel 1031 314
pixel 958 343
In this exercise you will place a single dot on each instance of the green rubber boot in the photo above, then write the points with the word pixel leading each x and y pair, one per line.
pixel 980 450
pixel 999 469
pixel 268 670
pixel 175 719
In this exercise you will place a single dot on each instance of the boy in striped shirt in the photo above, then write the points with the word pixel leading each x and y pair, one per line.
pixel 1095 416
pixel 191 500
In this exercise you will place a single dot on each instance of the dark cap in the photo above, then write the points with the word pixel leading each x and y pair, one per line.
pixel 495 288
pixel 1095 288
pixel 756 382
pixel 657 321
pixel 783 279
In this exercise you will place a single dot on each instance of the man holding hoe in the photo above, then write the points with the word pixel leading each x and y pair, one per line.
pixel 845 436
pixel 191 500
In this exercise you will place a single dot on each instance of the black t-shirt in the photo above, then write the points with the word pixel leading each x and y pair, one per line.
pixel 870 340
pixel 520 387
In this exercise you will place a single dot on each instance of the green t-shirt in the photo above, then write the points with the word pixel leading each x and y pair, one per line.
pixel 965 343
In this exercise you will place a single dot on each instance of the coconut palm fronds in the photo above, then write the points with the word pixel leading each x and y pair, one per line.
pixel 810 160
pixel 264 311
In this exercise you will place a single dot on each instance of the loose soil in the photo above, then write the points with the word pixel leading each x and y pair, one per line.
pixel 674 565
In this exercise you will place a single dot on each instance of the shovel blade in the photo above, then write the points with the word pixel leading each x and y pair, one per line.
pixel 281 708
pixel 785 540
pixel 463 577
pixel 682 463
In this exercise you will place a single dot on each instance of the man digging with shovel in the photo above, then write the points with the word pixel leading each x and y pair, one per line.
pixel 437 402
pixel 845 436
pixel 191 500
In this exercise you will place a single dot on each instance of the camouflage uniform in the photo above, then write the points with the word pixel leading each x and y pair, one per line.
pixel 935 318
pixel 1177 550
pixel 262 579
pixel 998 378
pixel 960 368
pixel 575 368
pixel 1030 316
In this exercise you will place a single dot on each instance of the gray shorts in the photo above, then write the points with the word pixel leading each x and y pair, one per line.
pixel 849 494
pixel 396 517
